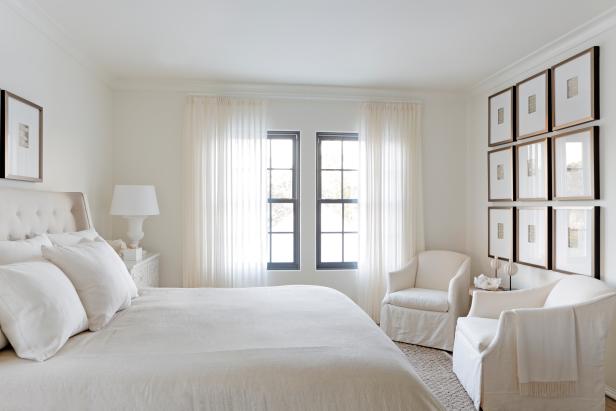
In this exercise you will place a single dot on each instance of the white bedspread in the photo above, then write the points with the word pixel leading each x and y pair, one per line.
pixel 274 348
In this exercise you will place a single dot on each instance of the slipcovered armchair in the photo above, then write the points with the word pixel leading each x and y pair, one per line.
pixel 492 343
pixel 425 298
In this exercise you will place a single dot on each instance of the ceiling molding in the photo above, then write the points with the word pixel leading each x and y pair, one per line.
pixel 548 55
pixel 32 13
pixel 279 91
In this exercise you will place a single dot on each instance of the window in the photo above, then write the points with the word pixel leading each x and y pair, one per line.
pixel 337 193
pixel 283 200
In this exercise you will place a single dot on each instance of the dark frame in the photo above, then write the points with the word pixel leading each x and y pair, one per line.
pixel 295 264
pixel 596 240
pixel 513 117
pixel 594 141
pixel 4 141
pixel 513 231
pixel 547 158
pixel 548 237
pixel 321 136
pixel 513 175
pixel 594 89
pixel 548 105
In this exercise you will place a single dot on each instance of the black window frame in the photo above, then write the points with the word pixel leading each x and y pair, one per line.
pixel 335 136
pixel 295 137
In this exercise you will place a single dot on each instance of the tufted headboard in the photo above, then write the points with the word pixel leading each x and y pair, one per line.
pixel 25 213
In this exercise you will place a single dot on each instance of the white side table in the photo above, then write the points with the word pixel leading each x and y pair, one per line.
pixel 144 272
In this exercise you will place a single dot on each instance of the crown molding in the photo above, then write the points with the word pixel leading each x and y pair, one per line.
pixel 551 53
pixel 32 13
pixel 277 91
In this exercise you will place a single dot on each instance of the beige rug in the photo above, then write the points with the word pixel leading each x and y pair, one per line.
pixel 434 369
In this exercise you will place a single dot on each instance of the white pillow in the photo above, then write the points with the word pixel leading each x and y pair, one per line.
pixel 39 308
pixel 3 341
pixel 73 238
pixel 22 250
pixel 99 276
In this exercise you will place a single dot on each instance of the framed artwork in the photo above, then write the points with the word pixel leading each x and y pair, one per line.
pixel 576 240
pixel 500 174
pixel 501 223
pixel 533 112
pixel 22 140
pixel 532 171
pixel 575 89
pixel 533 234
pixel 575 172
pixel 501 117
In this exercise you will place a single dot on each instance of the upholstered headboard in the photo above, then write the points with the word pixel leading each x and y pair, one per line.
pixel 25 213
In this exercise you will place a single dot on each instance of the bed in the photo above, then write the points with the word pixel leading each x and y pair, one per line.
pixel 269 348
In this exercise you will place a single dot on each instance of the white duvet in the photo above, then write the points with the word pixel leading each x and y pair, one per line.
pixel 272 348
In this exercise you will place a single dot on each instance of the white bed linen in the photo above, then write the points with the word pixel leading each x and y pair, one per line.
pixel 270 348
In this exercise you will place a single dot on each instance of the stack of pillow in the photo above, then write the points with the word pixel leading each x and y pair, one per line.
pixel 58 285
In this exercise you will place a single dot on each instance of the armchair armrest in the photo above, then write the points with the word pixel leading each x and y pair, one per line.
pixel 490 304
pixel 402 278
pixel 457 294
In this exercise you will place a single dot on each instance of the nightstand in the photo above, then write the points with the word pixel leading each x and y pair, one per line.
pixel 144 272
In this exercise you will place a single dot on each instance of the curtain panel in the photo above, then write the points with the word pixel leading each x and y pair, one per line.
pixel 391 199
pixel 224 191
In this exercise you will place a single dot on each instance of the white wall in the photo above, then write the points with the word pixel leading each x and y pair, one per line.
pixel 77 112
pixel 477 203
pixel 147 130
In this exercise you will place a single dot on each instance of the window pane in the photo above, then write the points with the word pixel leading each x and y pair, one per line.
pixel 351 154
pixel 331 154
pixel 282 248
pixel 331 248
pixel 282 217
pixel 330 184
pixel 282 153
pixel 351 247
pixel 331 217
pixel 351 217
pixel 351 184
pixel 282 184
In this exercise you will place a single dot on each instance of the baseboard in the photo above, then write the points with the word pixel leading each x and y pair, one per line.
pixel 610 392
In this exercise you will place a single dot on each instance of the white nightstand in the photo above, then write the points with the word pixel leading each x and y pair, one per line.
pixel 144 272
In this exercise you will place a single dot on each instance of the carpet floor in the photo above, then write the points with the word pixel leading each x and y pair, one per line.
pixel 434 368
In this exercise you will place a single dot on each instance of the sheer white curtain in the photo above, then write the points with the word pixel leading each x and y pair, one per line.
pixel 224 241
pixel 391 211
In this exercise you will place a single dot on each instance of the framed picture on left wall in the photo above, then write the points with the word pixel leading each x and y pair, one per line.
pixel 21 122
pixel 501 232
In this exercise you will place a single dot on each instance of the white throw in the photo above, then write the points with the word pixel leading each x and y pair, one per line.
pixel 546 351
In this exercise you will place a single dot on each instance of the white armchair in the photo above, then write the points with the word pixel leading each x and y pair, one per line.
pixel 485 350
pixel 425 298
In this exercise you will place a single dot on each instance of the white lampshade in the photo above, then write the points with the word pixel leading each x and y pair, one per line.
pixel 131 200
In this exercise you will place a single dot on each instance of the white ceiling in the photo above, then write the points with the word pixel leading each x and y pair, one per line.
pixel 425 44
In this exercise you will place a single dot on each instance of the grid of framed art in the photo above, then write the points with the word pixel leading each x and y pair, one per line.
pixel 545 159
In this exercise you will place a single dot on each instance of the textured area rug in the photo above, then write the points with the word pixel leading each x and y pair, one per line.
pixel 434 369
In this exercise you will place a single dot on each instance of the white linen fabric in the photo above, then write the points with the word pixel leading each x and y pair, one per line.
pixel 224 193
pixel 22 250
pixel 39 308
pixel 266 348
pixel 415 314
pixel 478 331
pixel 544 370
pixel 491 376
pixel 73 238
pixel 3 341
pixel 99 276
pixel 391 196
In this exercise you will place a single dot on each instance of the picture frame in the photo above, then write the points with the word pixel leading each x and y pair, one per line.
pixel 575 158
pixel 501 232
pixel 501 175
pixel 21 122
pixel 576 238
pixel 534 105
pixel 533 169
pixel 501 117
pixel 534 236
pixel 575 89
